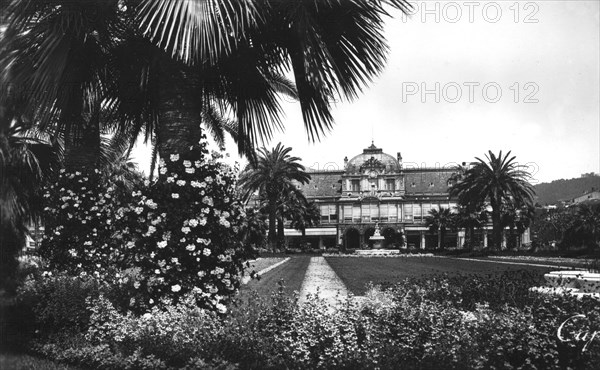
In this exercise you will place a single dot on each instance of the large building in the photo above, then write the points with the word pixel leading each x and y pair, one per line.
pixel 375 189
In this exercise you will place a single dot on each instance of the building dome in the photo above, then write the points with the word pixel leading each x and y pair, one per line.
pixel 373 157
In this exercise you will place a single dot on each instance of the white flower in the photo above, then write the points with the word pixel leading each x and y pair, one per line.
pixel 175 288
pixel 147 315
pixel 175 260
pixel 146 183
pixel 151 229
pixel 185 230
pixel 174 157
pixel 162 170
pixel 180 182
pixel 224 222
pixel 170 179
pixel 193 222
pixel 139 210
pixel 202 221
pixel 197 164
pixel 201 273
pixel 150 203
pixel 221 308
pixel 130 245
pixel 191 247
pixel 136 285
pixel 175 196
pixel 190 170
pixel 161 244
pixel 207 200
pixel 187 163
pixel 206 252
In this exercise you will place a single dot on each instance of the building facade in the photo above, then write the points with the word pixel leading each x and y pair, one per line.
pixel 374 189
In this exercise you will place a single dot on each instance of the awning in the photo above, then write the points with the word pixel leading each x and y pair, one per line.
pixel 316 231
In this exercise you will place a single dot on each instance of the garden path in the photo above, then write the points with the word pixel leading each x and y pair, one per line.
pixel 320 278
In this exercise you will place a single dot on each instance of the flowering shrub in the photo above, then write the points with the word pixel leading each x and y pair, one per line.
pixel 180 233
pixel 183 232
pixel 78 221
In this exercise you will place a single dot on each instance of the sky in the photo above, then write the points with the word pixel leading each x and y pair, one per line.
pixel 466 77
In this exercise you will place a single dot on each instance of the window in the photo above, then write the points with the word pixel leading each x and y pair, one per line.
pixel 426 209
pixel 356 213
pixel 347 212
pixel 418 212
pixel 328 213
pixel 393 213
pixel 365 212
pixel 355 185
pixel 390 184
pixel 384 212
pixel 374 212
pixel 408 212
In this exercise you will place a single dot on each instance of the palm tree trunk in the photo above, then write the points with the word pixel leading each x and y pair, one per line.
pixel 82 146
pixel 179 109
pixel 280 233
pixel 496 230
pixel 439 246
pixel 272 237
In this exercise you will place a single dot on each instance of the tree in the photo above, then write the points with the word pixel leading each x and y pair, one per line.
pixel 469 220
pixel 587 224
pixel 499 181
pixel 271 176
pixel 189 56
pixel 55 54
pixel 439 221
pixel 299 211
pixel 26 161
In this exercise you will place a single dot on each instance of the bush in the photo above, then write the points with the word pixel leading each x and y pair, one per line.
pixel 182 233
pixel 54 305
pixel 442 322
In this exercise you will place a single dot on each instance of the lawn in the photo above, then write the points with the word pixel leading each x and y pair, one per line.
pixel 292 273
pixel 26 362
pixel 356 273
pixel 262 263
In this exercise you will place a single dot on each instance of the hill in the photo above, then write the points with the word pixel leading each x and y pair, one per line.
pixel 557 190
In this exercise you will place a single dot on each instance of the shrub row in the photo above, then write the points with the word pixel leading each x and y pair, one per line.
pixel 458 322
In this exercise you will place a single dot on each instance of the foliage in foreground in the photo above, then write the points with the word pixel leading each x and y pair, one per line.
pixel 166 239
pixel 435 322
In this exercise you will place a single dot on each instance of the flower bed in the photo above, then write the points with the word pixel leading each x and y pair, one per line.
pixel 554 260
pixel 381 253
pixel 466 321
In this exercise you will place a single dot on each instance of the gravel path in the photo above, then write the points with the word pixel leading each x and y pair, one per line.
pixel 321 278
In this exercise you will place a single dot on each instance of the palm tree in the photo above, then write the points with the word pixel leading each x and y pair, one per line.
pixel 272 175
pixel 519 219
pixel 439 221
pixel 27 159
pixel 301 213
pixel 469 220
pixel 56 51
pixel 499 181
pixel 188 56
